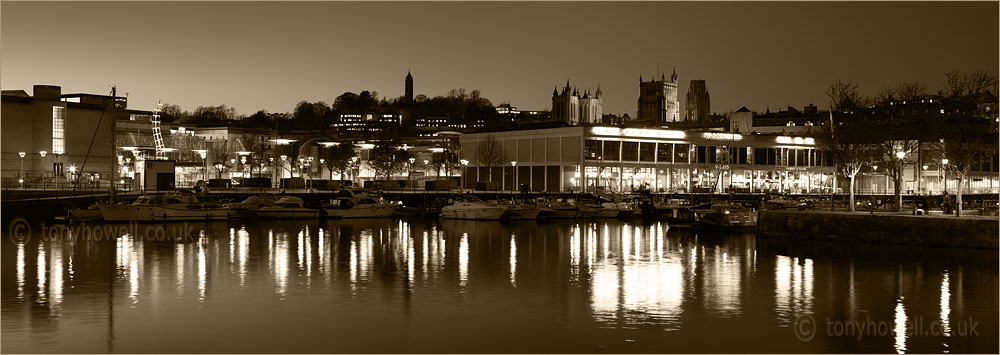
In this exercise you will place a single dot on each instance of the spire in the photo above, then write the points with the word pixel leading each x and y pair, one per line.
pixel 555 91
pixel 673 77
pixel 597 95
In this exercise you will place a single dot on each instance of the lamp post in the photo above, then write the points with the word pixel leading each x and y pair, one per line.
pixel 20 177
pixel 354 168
pixel 513 166
pixel 409 173
pixel 872 200
pixel 42 153
pixel 322 163
pixel 944 167
pixel 204 164
pixel 464 164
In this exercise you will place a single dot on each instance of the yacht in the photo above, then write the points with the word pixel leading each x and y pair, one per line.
pixel 678 212
pixel 725 216
pixel 173 206
pixel 558 208
pixel 605 210
pixel 286 208
pixel 470 207
pixel 358 204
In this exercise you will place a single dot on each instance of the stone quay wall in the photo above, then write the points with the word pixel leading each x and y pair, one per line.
pixel 945 231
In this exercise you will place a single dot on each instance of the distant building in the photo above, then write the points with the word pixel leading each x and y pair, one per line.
pixel 511 115
pixel 658 103
pixel 698 103
pixel 409 88
pixel 369 122
pixel 786 122
pixel 570 107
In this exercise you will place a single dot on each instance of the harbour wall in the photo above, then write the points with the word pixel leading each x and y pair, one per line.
pixel 947 231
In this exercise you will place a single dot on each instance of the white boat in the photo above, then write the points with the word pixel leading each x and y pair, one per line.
pixel 285 208
pixel 470 207
pixel 357 204
pixel 173 206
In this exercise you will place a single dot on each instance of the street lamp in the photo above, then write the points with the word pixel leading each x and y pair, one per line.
pixel 354 167
pixel 204 164
pixel 42 153
pixel 944 166
pixel 409 173
pixel 513 168
pixel 464 164
pixel 20 177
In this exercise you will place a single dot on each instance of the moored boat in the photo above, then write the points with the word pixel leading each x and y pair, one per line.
pixel 173 206
pixel 725 216
pixel 358 204
pixel 470 207
pixel 287 207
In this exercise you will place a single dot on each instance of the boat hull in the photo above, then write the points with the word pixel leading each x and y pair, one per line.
pixel 524 213
pixel 287 213
pixel 158 213
pixel 376 212
pixel 473 213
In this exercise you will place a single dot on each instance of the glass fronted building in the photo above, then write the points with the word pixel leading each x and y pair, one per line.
pixel 625 159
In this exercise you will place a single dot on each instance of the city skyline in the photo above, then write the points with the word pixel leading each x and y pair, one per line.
pixel 270 56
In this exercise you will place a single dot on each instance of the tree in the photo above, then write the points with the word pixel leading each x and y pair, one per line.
pixel 387 157
pixel 221 154
pixel 490 153
pixel 850 145
pixel 248 144
pixel 338 157
pixel 845 97
pixel 887 151
pixel 906 91
pixel 964 143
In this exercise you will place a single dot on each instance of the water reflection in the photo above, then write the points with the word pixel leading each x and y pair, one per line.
pixel 606 280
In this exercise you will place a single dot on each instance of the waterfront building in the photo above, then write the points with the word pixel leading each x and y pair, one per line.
pixel 698 103
pixel 581 158
pixel 658 103
pixel 69 129
pixel 368 122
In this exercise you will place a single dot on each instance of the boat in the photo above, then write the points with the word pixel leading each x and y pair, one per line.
pixel 520 210
pixel 246 208
pixel 605 210
pixel 288 207
pixel 358 204
pixel 725 216
pixel 91 213
pixel 557 208
pixel 678 212
pixel 172 206
pixel 470 207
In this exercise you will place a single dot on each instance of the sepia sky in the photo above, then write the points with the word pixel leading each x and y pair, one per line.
pixel 271 55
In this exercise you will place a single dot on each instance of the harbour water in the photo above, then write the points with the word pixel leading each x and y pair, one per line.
pixel 413 286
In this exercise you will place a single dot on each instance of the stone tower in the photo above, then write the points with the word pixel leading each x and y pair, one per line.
pixel 409 87
pixel 698 104
pixel 658 103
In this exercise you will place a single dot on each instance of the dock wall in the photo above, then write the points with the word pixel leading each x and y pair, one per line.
pixel 880 228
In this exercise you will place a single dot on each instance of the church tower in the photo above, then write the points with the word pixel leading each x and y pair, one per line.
pixel 658 103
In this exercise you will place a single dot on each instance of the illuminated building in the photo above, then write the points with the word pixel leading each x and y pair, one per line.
pixel 624 159
pixel 658 104
pixel 570 107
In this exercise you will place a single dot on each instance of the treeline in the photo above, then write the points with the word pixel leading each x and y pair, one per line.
pixel 459 104
pixel 905 125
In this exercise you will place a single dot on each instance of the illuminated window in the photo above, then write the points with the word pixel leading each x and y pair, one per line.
pixel 58 130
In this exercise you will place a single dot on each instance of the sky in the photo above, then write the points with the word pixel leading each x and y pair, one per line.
pixel 272 55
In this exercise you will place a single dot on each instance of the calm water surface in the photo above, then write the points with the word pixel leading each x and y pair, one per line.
pixel 391 286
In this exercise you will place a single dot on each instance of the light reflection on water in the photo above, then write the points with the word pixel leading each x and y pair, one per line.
pixel 584 286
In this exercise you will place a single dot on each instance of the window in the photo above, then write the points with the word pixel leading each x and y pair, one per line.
pixel 647 151
pixel 760 156
pixel 611 150
pixel 58 130
pixel 592 149
pixel 681 153
pixel 630 151
pixel 664 151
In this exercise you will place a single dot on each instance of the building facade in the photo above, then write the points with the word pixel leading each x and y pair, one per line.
pixel 658 103
pixel 698 103
pixel 625 159
pixel 569 106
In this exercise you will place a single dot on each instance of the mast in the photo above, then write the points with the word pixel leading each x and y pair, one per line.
pixel 114 148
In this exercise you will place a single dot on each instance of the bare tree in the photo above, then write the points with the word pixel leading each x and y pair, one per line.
pixel 490 154
pixel 851 148
pixel 845 97
pixel 906 91
pixel 964 143
pixel 889 151
pixel 221 152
